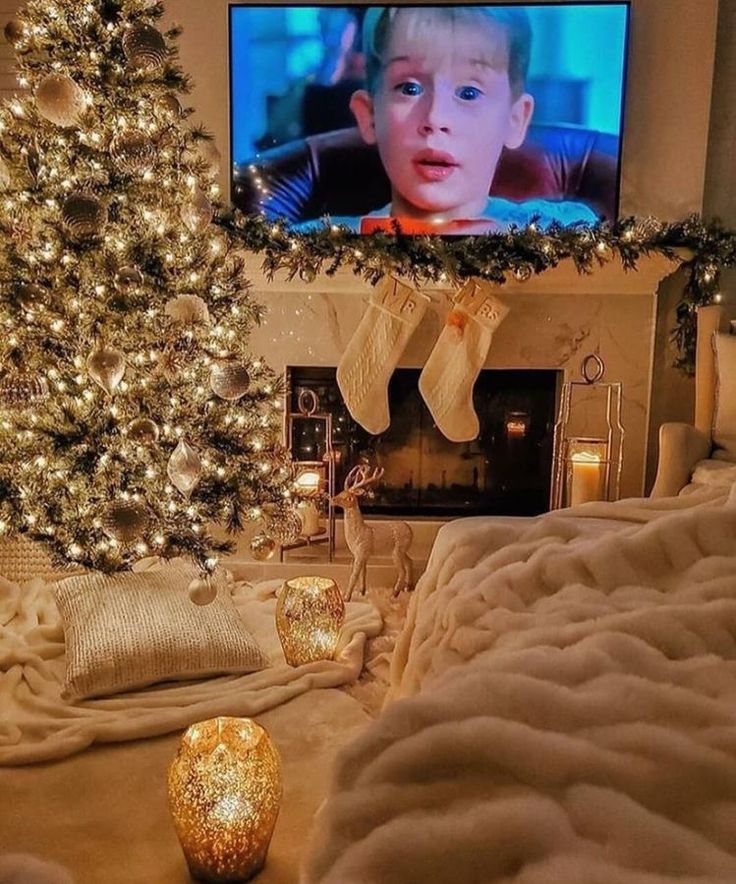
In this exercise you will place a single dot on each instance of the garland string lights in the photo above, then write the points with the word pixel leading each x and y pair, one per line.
pixel 708 247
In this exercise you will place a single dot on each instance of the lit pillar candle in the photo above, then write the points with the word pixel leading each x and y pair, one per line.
pixel 587 478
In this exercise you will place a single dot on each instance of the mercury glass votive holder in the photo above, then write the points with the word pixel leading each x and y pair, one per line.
pixel 309 615
pixel 224 796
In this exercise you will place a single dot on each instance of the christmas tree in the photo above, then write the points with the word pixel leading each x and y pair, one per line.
pixel 132 416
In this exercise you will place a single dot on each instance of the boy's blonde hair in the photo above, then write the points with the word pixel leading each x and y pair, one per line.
pixel 514 20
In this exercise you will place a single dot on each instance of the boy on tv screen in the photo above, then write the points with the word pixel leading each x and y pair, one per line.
pixel 445 93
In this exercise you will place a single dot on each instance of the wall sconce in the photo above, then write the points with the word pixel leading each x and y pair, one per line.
pixel 587 466
pixel 309 615
pixel 224 796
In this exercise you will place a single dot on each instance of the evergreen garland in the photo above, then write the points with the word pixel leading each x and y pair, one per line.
pixel 708 247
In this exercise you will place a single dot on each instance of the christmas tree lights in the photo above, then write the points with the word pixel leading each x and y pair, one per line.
pixel 132 415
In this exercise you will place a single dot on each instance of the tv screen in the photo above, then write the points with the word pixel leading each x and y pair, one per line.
pixel 447 119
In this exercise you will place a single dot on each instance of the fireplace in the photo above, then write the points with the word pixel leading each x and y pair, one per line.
pixel 506 471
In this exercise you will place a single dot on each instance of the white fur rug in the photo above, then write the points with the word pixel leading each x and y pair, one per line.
pixel 569 710
pixel 37 725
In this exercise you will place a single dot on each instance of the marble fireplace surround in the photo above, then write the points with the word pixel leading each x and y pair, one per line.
pixel 555 320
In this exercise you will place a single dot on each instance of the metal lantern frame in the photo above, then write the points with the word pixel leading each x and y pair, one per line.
pixel 611 441
pixel 307 410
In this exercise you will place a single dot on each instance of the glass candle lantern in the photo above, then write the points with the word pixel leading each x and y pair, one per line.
pixel 309 615
pixel 224 795
pixel 586 466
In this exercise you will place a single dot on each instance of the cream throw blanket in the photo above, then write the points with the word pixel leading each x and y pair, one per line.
pixel 569 710
pixel 37 725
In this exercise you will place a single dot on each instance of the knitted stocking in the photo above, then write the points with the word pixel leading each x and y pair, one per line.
pixel 370 358
pixel 446 383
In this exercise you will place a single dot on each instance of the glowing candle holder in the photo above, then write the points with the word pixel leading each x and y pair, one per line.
pixel 224 795
pixel 587 466
pixel 309 615
pixel 587 471
pixel 309 483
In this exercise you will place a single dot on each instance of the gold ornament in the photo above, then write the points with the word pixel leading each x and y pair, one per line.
pixel 198 213
pixel 523 272
pixel 83 215
pixel 188 309
pixel 202 590
pixel 128 278
pixel 106 367
pixel 229 380
pixel 169 107
pixel 604 251
pixel 20 389
pixel 262 547
pixel 224 795
pixel 133 152
pixel 143 431
pixel 307 274
pixel 309 615
pixel 15 31
pixel 284 526
pixel 125 520
pixel 60 100
pixel 144 48
pixel 184 468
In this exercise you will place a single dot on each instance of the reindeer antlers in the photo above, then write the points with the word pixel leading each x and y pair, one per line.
pixel 358 478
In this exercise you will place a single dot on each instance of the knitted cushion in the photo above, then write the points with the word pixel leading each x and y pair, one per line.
pixel 125 631
pixel 22 559
pixel 724 417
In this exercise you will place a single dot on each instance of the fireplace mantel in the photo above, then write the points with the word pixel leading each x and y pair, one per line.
pixel 556 319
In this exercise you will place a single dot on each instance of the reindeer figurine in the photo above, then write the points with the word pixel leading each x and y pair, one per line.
pixel 362 540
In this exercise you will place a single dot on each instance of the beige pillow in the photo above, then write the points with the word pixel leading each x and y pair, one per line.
pixel 724 417
pixel 22 559
pixel 125 631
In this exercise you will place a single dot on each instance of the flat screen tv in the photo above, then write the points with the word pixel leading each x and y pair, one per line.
pixel 448 119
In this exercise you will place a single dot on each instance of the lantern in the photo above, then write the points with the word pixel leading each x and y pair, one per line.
pixel 224 795
pixel 309 614
pixel 589 439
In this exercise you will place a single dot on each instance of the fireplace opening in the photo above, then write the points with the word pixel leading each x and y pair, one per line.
pixel 507 470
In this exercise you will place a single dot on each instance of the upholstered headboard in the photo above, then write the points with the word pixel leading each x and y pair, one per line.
pixel 710 319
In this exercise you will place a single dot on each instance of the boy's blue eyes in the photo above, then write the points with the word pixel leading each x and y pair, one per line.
pixel 466 93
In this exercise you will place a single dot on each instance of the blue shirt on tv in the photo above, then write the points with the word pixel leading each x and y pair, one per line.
pixel 504 212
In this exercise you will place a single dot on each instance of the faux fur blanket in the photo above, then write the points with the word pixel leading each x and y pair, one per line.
pixel 37 725
pixel 569 710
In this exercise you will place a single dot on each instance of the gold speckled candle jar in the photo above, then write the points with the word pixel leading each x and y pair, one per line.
pixel 224 795
pixel 309 615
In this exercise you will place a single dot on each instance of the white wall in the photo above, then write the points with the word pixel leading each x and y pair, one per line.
pixel 667 115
